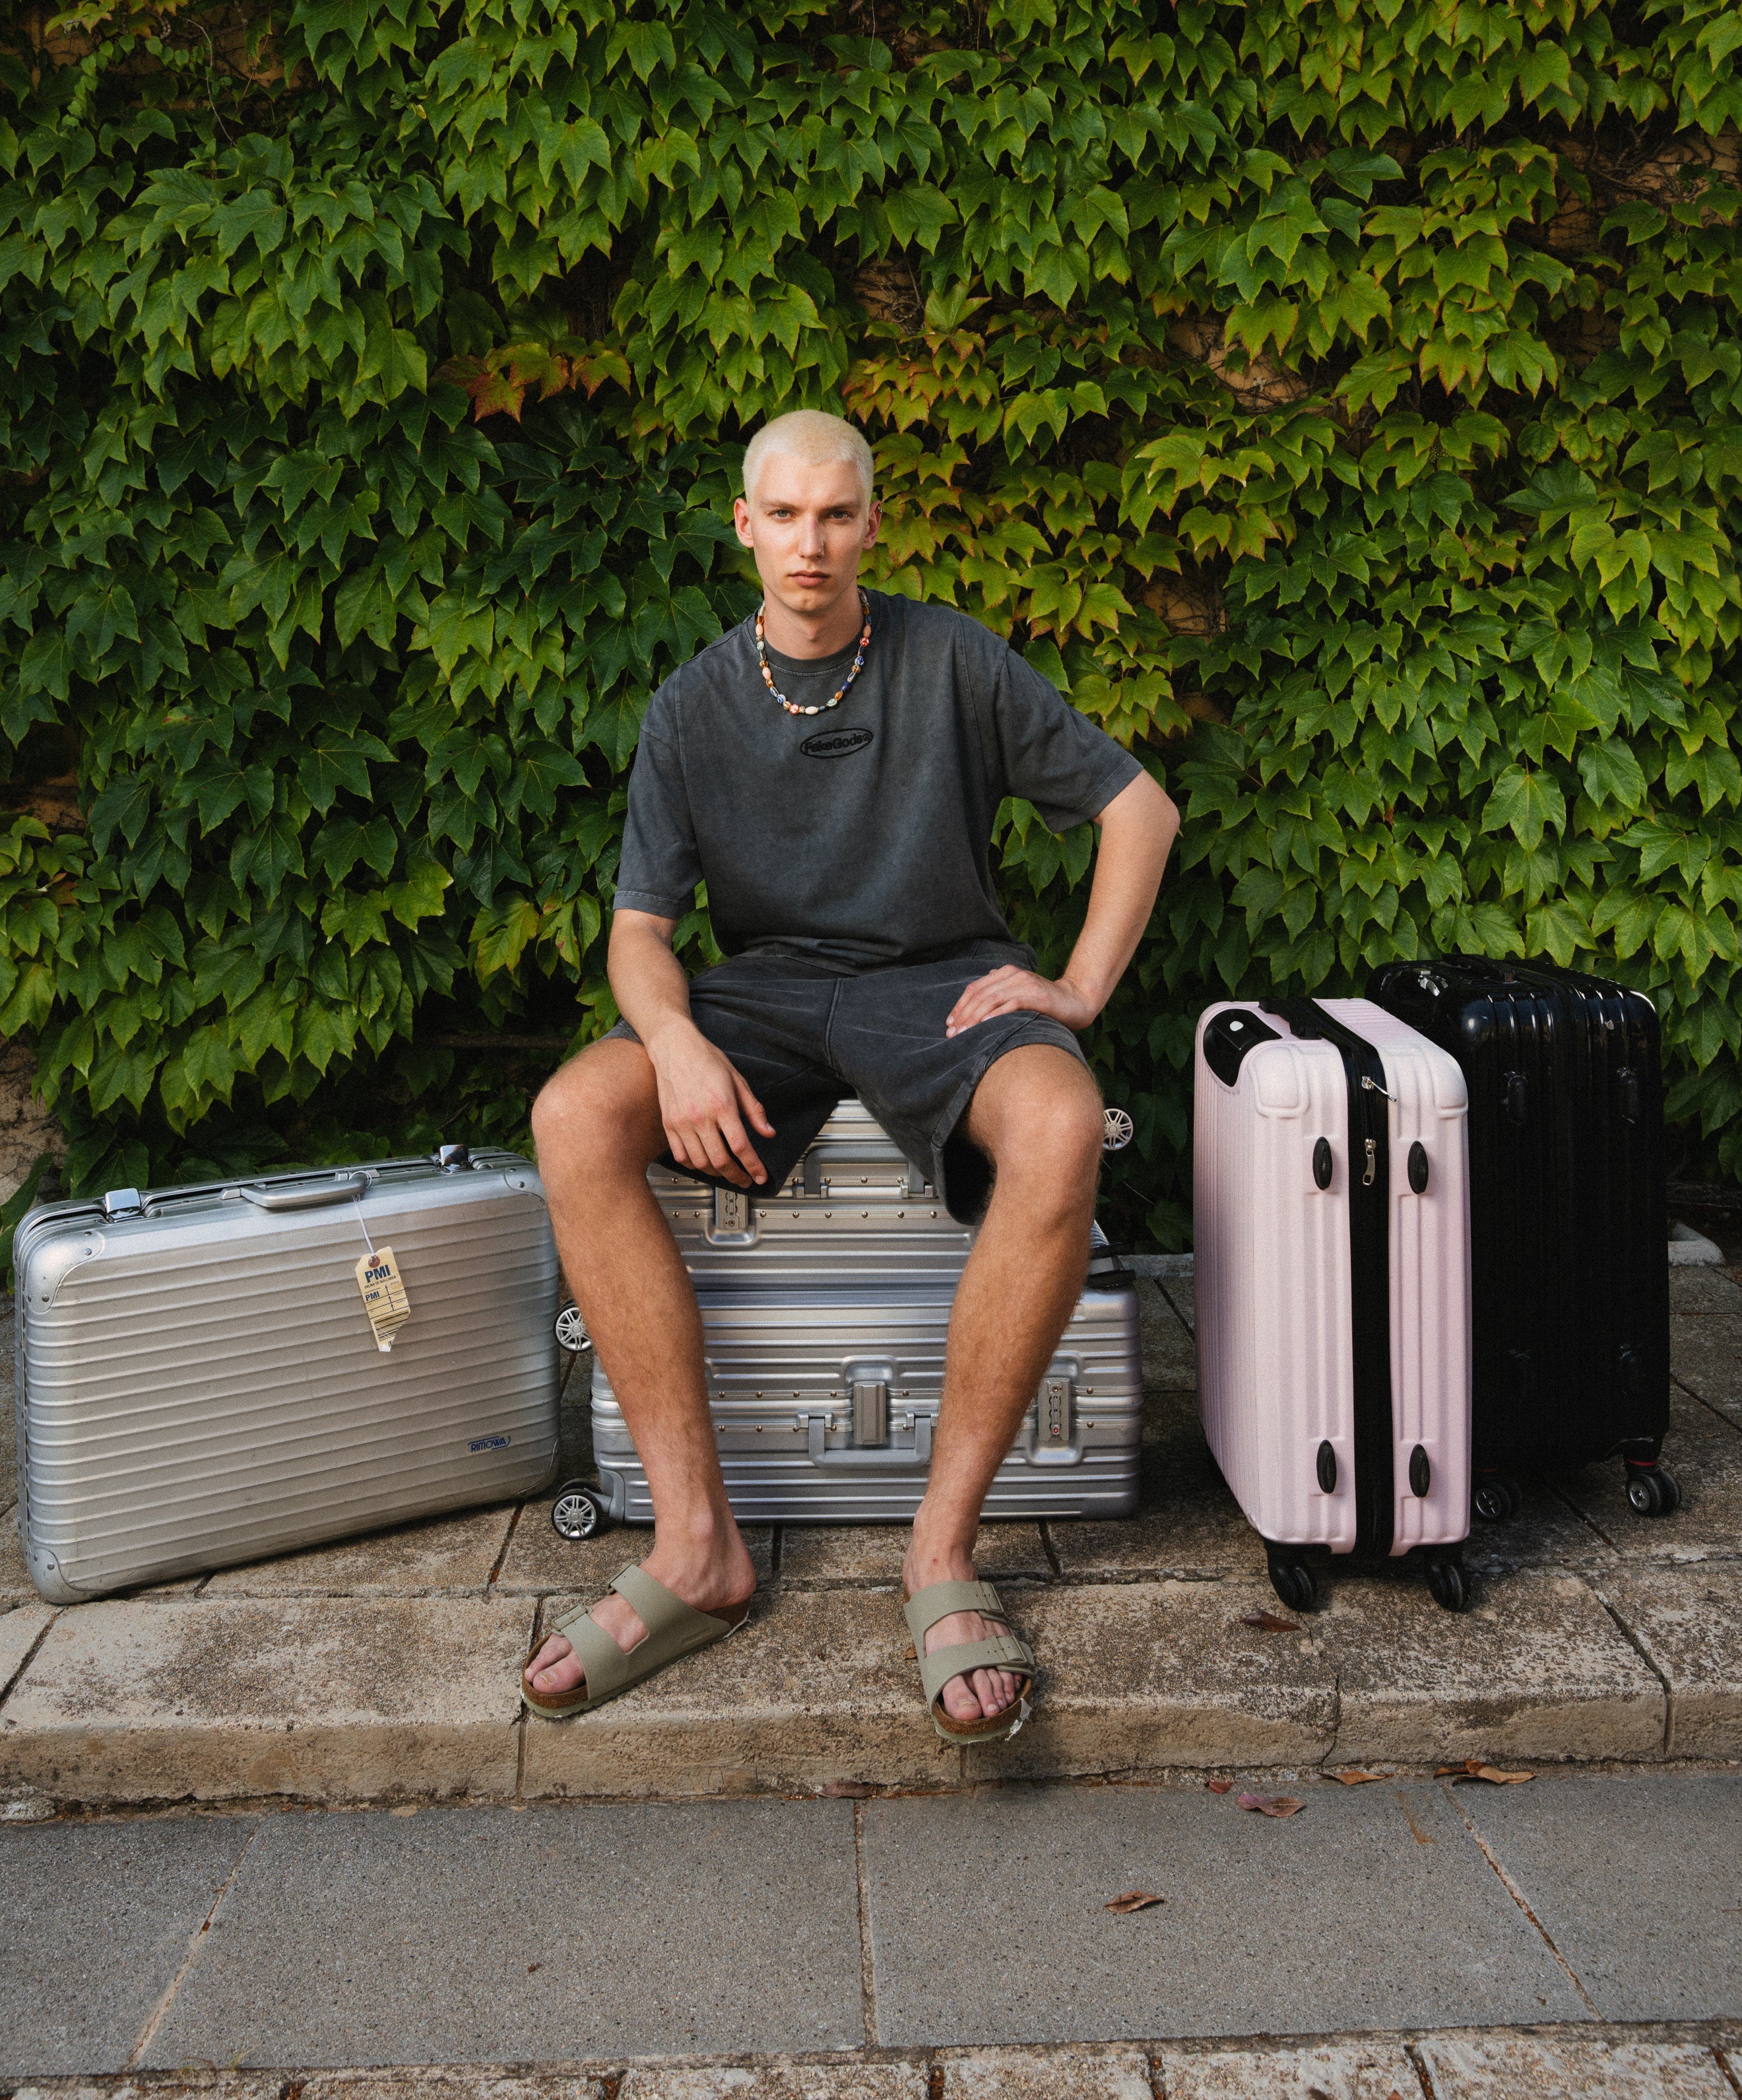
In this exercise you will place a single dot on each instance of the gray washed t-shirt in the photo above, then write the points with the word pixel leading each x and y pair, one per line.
pixel 862 836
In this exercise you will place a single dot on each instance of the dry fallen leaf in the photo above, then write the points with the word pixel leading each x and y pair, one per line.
pixel 1219 1785
pixel 1132 1899
pixel 533 1968
pixel 1357 1778
pixel 1474 1768
pixel 911 1653
pixel 1271 1804
pixel 1269 1622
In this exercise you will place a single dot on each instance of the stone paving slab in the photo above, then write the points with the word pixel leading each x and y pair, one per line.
pixel 1370 1909
pixel 1548 1532
pixel 825 1553
pixel 1688 1620
pixel 1536 1669
pixel 1048 2073
pixel 449 1553
pixel 777 2081
pixel 1702 1291
pixel 20 1629
pixel 328 1699
pixel 1637 1881
pixel 1169 1353
pixel 1371 2069
pixel 1569 2068
pixel 813 1690
pixel 95 1924
pixel 1706 1353
pixel 1141 1678
pixel 1704 1450
pixel 473 1935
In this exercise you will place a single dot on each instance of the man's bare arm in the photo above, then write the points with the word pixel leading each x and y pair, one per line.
pixel 704 1102
pixel 1137 831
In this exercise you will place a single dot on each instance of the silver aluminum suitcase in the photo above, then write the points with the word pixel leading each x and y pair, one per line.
pixel 853 1210
pixel 199 1381
pixel 824 1403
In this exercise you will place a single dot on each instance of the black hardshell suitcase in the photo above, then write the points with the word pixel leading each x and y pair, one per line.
pixel 1569 1221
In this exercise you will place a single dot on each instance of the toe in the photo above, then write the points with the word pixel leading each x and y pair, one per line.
pixel 960 1702
pixel 554 1670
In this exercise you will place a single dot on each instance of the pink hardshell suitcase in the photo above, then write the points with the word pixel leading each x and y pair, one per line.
pixel 1332 1224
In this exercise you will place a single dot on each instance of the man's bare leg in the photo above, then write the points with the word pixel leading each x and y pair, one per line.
pixel 597 1127
pixel 1037 1115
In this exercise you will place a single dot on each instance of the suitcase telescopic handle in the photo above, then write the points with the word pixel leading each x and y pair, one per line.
pixel 342 1189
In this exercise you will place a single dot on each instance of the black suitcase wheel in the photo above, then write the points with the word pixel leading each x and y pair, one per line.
pixel 580 1511
pixel 1449 1586
pixel 1293 1582
pixel 1653 1490
pixel 1496 1497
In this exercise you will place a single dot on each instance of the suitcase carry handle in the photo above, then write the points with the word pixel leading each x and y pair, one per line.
pixel 342 1189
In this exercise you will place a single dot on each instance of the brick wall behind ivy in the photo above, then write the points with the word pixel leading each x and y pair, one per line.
pixel 1339 401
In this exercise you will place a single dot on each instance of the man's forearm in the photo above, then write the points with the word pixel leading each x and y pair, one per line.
pixel 1137 832
pixel 647 979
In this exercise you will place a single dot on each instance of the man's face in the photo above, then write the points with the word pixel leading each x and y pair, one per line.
pixel 808 527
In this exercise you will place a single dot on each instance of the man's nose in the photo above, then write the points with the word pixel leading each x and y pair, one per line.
pixel 811 538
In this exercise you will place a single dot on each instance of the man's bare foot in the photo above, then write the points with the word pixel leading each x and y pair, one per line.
pixel 712 1578
pixel 982 1695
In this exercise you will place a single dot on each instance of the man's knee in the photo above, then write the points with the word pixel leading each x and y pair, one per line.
pixel 601 1107
pixel 1043 1130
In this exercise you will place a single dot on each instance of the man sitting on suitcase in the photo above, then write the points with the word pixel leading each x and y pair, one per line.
pixel 831 768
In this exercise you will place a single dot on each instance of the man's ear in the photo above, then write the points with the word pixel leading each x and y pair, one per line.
pixel 873 523
pixel 741 520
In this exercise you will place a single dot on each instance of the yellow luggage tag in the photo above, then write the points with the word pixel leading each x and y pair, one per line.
pixel 384 1298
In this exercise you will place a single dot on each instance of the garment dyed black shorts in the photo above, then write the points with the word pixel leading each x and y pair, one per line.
pixel 805 1034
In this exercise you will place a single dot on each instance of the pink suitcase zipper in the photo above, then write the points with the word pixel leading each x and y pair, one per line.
pixel 1332 1225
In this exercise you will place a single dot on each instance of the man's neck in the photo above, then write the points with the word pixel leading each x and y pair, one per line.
pixel 799 635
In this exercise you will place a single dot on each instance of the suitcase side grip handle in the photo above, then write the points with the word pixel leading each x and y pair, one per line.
pixel 340 1190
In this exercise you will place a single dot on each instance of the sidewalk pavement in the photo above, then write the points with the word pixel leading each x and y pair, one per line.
pixel 1576 1934
pixel 384 1670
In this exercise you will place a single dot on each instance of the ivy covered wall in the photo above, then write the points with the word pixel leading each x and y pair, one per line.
pixel 1341 399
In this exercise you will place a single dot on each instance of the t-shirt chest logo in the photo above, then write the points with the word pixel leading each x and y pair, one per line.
pixel 836 743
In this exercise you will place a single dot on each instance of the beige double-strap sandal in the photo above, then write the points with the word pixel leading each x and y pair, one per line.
pixel 674 1631
pixel 1005 1651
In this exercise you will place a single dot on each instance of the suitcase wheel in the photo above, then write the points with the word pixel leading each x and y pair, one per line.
pixel 1292 1581
pixel 571 1330
pixel 1449 1586
pixel 580 1511
pixel 1653 1490
pixel 1496 1497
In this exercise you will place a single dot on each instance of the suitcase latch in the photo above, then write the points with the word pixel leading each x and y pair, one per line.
pixel 734 1222
pixel 123 1203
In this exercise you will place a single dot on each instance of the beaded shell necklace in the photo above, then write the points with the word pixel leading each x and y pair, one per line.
pixel 792 707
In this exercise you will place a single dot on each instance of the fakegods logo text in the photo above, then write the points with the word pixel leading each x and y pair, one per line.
pixel 836 743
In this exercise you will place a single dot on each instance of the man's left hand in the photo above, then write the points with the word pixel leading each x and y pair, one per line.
pixel 1012 990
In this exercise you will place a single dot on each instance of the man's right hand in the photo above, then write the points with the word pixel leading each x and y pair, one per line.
pixel 704 1105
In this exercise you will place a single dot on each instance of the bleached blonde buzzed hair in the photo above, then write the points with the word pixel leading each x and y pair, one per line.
pixel 818 440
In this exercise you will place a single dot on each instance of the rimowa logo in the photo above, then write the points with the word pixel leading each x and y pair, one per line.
pixel 836 743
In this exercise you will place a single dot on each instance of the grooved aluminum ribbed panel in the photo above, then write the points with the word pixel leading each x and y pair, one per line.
pixel 1275 1350
pixel 772 1359
pixel 853 1211
pixel 201 1385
